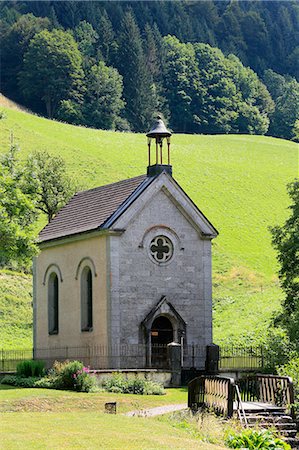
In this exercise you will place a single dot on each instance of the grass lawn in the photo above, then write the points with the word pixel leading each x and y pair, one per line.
pixel 45 400
pixel 48 419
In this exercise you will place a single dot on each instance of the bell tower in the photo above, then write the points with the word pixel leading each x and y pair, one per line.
pixel 156 161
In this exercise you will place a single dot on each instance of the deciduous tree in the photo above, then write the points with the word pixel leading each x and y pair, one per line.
pixel 48 183
pixel 17 215
pixel 52 69
pixel 285 239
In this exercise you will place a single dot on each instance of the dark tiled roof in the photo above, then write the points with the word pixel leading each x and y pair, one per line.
pixel 89 210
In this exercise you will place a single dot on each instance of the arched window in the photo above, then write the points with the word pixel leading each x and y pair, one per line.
pixel 53 303
pixel 86 300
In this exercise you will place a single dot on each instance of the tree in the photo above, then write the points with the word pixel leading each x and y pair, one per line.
pixel 14 44
pixel 138 84
pixel 52 69
pixel 285 92
pixel 103 101
pixel 48 183
pixel 107 45
pixel 17 214
pixel 86 38
pixel 183 88
pixel 286 241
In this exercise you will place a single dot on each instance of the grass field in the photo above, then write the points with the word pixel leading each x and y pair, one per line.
pixel 41 418
pixel 238 181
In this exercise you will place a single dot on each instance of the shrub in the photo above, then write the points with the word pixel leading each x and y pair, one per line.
pixel 291 369
pixel 31 368
pixel 72 375
pixel 254 439
pixel 51 382
pixel 15 380
pixel 117 383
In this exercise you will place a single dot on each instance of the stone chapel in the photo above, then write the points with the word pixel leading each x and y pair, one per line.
pixel 125 269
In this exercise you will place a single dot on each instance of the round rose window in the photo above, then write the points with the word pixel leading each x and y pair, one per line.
pixel 161 249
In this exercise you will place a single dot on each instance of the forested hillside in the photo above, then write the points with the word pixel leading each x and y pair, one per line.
pixel 206 66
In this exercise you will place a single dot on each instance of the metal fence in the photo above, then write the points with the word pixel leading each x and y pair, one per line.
pixel 139 357
pixel 10 358
pixel 242 358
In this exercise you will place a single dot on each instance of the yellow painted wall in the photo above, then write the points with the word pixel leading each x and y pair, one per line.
pixel 67 257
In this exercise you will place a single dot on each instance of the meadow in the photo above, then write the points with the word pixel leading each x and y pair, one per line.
pixel 49 419
pixel 238 181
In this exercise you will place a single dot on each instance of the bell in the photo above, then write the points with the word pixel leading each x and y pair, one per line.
pixel 159 130
pixel 158 133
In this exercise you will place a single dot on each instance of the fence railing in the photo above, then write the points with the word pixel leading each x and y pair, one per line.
pixel 271 389
pixel 10 358
pixel 220 393
pixel 248 358
pixel 216 393
pixel 140 356
pixel 126 356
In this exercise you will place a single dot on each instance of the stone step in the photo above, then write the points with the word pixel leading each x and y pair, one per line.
pixel 288 433
pixel 279 426
pixel 285 426
pixel 275 419
pixel 266 411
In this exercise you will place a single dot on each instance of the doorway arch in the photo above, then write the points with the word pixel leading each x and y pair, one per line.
pixel 161 335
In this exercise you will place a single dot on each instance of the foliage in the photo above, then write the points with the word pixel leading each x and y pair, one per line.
pixel 47 48
pixel 278 349
pixel 183 88
pixel 14 44
pixel 138 92
pixel 103 101
pixel 86 38
pixel 17 214
pixel 48 182
pixel 254 439
pixel 118 383
pixel 33 368
pixel 52 69
pixel 19 381
pixel 286 241
pixel 291 369
pixel 71 375
pixel 67 376
pixel 285 92
pixel 209 93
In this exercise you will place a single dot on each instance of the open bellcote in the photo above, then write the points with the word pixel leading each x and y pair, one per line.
pixel 158 134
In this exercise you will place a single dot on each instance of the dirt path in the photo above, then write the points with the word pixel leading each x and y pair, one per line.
pixel 157 411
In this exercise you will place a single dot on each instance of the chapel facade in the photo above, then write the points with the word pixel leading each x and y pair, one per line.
pixel 124 269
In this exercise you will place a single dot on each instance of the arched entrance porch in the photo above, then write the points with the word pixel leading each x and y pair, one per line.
pixel 162 325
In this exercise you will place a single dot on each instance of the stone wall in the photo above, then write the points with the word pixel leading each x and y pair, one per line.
pixel 138 283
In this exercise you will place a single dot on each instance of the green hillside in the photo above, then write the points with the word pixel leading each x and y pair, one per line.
pixel 238 181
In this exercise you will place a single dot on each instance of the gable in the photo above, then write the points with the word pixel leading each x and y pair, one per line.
pixel 166 184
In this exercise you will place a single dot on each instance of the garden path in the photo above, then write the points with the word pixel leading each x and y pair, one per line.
pixel 157 411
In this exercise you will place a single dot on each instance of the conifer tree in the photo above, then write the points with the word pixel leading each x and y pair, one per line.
pixel 138 84
pixel 107 45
